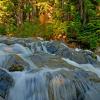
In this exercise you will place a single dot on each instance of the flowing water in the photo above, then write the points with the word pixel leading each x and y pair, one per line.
pixel 49 71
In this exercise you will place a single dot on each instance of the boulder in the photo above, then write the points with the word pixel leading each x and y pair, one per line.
pixel 6 82
pixel 2 98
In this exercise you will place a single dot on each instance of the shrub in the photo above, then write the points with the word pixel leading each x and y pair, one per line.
pixel 2 29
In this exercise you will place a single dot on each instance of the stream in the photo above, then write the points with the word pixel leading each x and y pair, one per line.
pixel 34 69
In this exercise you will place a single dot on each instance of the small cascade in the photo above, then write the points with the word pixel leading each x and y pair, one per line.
pixel 49 84
pixel 14 53
pixel 4 57
pixel 47 70
pixel 86 67
pixel 39 47
pixel 98 58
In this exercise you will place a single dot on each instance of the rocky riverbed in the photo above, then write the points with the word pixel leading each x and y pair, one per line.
pixel 34 69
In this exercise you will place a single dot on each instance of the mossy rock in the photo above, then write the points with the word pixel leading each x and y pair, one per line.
pixel 16 68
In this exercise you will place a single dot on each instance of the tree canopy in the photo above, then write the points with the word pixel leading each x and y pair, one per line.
pixel 72 21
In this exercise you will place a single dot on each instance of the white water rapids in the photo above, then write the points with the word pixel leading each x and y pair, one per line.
pixel 51 71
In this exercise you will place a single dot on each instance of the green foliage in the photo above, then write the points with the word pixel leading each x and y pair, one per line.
pixel 91 34
pixel 28 29
pixel 27 8
pixel 66 16
pixel 2 29
pixel 48 31
pixel 60 27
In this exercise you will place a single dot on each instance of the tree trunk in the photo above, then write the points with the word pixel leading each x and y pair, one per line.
pixel 82 11
pixel 19 13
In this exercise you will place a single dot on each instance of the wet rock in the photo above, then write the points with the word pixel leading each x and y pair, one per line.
pixel 52 47
pixel 16 68
pixel 49 61
pixel 62 50
pixel 9 61
pixel 6 82
pixel 48 70
pixel 2 98
pixel 56 84
pixel 92 58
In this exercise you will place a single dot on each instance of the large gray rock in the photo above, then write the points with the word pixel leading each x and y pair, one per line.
pixel 2 98
pixel 81 56
pixel 6 82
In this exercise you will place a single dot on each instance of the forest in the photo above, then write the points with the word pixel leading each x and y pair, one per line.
pixel 75 22
pixel 49 49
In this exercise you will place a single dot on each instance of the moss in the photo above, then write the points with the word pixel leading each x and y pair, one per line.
pixel 16 68
pixel 94 56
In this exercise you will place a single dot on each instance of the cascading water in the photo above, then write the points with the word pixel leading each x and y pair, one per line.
pixel 47 70
pixel 98 58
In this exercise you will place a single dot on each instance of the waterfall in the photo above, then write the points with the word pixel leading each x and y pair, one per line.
pixel 86 67
pixel 48 70
pixel 49 84
pixel 98 58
